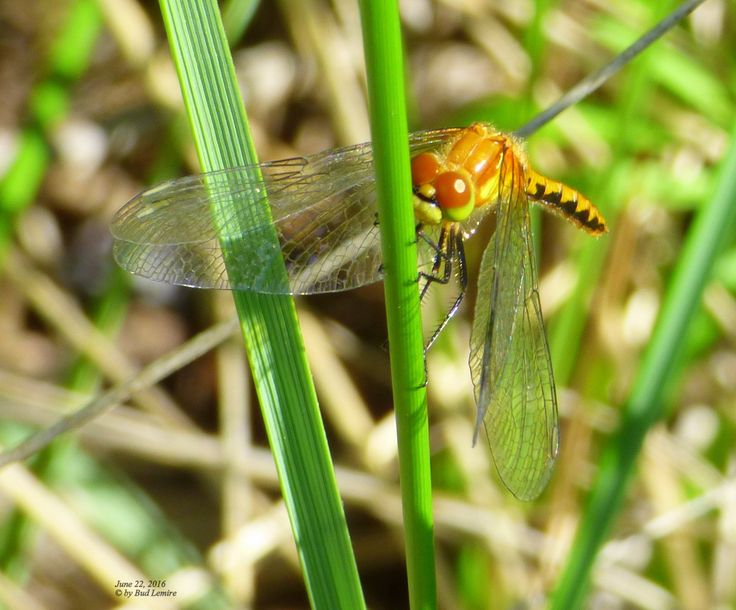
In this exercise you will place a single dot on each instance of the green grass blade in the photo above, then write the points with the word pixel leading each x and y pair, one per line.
pixel 384 64
pixel 647 401
pixel 269 325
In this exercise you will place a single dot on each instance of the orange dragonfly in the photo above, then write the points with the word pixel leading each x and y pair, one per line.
pixel 324 213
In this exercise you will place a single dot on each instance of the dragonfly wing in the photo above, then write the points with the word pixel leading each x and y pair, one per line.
pixel 323 210
pixel 325 225
pixel 509 357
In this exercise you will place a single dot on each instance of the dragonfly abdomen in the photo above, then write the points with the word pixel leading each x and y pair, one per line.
pixel 565 201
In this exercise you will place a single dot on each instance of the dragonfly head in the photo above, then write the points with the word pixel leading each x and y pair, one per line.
pixel 439 194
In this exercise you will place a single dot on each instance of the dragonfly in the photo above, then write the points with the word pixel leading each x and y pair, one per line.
pixel 324 216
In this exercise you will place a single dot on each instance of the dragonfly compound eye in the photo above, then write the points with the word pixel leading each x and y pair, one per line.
pixel 424 168
pixel 454 194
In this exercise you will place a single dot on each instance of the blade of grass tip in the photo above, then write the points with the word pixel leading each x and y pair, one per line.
pixel 591 82
pixel 270 330
pixel 384 65
pixel 646 403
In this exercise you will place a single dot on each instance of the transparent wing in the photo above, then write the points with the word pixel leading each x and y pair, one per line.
pixel 509 358
pixel 323 210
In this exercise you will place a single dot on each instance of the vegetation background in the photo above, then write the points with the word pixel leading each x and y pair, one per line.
pixel 179 485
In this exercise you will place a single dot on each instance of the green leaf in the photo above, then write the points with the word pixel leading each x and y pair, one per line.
pixel 384 64
pixel 270 330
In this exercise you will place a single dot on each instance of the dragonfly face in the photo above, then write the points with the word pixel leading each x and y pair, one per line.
pixel 323 211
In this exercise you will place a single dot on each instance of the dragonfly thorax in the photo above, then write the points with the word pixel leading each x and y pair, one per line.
pixel 468 172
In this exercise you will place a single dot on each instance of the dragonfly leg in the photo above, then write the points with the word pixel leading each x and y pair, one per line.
pixel 426 238
pixel 457 251
pixel 436 247
pixel 443 254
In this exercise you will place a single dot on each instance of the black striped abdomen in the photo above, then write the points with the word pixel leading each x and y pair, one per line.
pixel 565 201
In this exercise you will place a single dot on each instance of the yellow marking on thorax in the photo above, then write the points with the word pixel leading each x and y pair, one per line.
pixel 479 151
